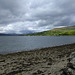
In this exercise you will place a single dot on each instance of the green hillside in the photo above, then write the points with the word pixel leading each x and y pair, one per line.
pixel 55 32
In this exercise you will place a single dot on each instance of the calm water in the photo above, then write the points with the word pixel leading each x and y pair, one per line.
pixel 10 44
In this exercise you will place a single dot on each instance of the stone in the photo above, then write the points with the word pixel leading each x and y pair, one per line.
pixel 2 60
pixel 70 68
pixel 49 63
pixel 72 57
pixel 73 62
pixel 70 65
pixel 39 72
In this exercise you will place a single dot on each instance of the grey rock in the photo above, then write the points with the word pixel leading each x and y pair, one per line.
pixel 70 65
pixel 65 71
pixel 70 68
pixel 37 72
pixel 72 57
pixel 2 60
pixel 73 62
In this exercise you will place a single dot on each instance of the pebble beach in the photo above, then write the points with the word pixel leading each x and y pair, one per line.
pixel 44 61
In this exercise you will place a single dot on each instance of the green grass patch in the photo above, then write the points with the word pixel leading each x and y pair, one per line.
pixel 19 74
pixel 55 32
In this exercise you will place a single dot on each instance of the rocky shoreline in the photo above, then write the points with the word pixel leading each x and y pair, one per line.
pixel 58 60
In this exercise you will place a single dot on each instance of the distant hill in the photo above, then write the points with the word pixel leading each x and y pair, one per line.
pixel 2 34
pixel 55 32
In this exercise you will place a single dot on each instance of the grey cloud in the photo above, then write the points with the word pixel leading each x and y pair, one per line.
pixel 11 11
pixel 35 16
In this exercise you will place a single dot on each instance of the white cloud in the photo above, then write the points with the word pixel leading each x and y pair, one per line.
pixel 35 16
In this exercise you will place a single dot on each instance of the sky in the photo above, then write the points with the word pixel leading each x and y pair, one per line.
pixel 28 16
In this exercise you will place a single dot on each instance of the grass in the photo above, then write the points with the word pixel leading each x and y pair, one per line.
pixel 55 32
pixel 19 74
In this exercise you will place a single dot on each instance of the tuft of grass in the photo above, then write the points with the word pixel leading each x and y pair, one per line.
pixel 19 74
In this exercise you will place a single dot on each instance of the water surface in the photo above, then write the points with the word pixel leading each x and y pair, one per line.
pixel 10 44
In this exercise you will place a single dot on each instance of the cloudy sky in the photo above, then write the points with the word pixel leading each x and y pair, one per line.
pixel 25 16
